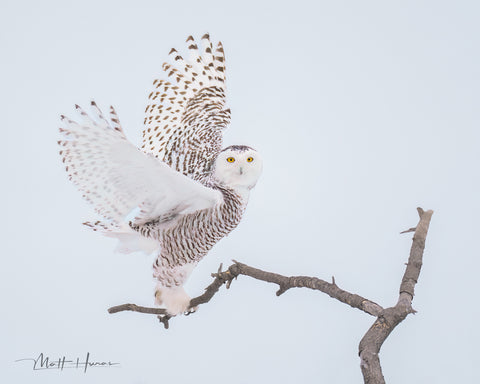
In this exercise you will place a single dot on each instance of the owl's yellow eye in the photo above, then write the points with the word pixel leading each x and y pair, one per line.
pixel 230 159
pixel 249 159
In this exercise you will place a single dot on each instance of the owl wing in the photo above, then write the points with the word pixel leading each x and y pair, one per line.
pixel 186 116
pixel 118 178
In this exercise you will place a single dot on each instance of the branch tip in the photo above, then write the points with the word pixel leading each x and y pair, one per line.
pixel 281 290
pixel 164 320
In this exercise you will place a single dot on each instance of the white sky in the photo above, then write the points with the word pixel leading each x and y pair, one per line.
pixel 362 112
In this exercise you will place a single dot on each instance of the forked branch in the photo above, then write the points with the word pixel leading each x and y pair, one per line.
pixel 387 319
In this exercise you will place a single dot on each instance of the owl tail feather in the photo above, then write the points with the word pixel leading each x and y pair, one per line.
pixel 129 241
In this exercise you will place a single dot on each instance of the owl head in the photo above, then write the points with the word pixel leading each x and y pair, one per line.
pixel 238 166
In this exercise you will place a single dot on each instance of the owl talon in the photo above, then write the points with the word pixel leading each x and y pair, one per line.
pixel 191 310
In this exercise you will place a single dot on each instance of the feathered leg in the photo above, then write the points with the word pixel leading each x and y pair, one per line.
pixel 169 291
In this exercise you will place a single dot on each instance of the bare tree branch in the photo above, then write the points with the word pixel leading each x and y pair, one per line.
pixel 286 283
pixel 202 299
pixel 137 308
pixel 283 282
pixel 162 314
pixel 387 319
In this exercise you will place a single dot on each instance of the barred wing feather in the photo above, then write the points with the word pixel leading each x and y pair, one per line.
pixel 186 116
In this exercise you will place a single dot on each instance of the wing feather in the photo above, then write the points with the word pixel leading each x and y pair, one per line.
pixel 187 115
pixel 118 178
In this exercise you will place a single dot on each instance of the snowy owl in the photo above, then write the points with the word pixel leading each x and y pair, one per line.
pixel 181 193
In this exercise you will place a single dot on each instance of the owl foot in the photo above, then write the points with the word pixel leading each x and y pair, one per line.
pixel 174 299
pixel 191 310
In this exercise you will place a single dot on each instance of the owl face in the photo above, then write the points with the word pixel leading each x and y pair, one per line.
pixel 238 166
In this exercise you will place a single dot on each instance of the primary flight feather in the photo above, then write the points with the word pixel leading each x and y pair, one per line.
pixel 181 193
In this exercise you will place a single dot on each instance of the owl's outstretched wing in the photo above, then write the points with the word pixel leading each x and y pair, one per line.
pixel 117 178
pixel 186 116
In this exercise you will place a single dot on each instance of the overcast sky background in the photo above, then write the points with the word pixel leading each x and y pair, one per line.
pixel 362 111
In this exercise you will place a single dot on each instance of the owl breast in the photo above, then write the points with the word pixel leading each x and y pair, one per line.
pixel 193 235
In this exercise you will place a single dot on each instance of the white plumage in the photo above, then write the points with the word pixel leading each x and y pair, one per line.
pixel 182 193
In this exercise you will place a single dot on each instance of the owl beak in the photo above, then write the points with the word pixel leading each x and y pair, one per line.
pixel 241 171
